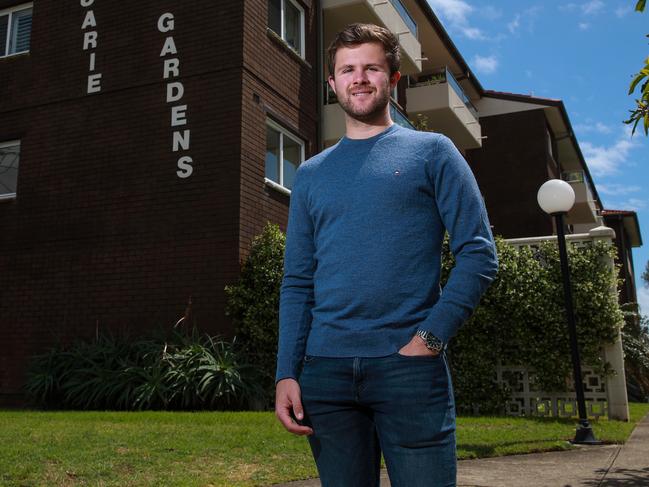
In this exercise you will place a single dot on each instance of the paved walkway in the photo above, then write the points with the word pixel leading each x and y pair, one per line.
pixel 592 466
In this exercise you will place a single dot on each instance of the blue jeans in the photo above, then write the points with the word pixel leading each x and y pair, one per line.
pixel 399 405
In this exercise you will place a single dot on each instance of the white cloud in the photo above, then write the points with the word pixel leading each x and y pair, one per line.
pixel 592 7
pixel 603 160
pixel 623 11
pixel 457 12
pixel 514 24
pixel 568 7
pixel 643 299
pixel 617 189
pixel 633 204
pixel 489 12
pixel 583 25
pixel 590 127
pixel 485 64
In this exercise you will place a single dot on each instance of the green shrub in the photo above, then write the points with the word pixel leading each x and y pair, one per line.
pixel 253 304
pixel 177 372
pixel 521 321
pixel 635 338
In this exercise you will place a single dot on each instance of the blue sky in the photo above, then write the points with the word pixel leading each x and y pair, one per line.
pixel 584 53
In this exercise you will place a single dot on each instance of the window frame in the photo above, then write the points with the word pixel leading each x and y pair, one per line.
pixel 11 143
pixel 283 132
pixel 282 24
pixel 10 12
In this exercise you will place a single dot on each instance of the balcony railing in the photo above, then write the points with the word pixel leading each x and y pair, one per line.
pixel 399 118
pixel 405 15
pixel 444 76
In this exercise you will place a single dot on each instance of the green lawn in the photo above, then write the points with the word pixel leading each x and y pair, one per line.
pixel 219 449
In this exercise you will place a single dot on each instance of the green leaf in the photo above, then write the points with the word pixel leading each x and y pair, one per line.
pixel 637 80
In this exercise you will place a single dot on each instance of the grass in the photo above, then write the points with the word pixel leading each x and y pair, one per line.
pixel 220 449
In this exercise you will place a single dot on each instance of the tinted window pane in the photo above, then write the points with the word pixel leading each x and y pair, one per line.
pixel 292 18
pixel 292 153
pixel 272 154
pixel 4 22
pixel 275 15
pixel 9 157
pixel 21 31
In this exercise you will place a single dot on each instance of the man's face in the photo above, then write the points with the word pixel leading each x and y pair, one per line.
pixel 362 81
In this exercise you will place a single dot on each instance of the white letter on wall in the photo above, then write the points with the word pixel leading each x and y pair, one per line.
pixel 90 40
pixel 87 3
pixel 166 22
pixel 179 89
pixel 184 168
pixel 94 83
pixel 180 140
pixel 178 115
pixel 169 47
pixel 171 67
pixel 89 21
pixel 92 62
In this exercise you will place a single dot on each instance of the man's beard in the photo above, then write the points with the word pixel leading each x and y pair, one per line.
pixel 369 113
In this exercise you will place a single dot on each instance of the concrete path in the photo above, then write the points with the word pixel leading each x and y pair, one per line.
pixel 591 466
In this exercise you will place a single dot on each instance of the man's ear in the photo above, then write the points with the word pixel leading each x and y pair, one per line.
pixel 394 79
pixel 332 83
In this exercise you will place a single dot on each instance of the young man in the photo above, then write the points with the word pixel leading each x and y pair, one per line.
pixel 361 367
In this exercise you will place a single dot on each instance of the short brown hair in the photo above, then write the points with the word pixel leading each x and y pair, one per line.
pixel 355 34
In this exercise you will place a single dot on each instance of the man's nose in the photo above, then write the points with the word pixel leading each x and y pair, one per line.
pixel 360 76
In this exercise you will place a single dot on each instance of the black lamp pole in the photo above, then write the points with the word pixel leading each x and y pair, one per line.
pixel 584 433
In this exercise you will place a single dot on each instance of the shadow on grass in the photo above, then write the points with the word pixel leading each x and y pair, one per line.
pixel 472 451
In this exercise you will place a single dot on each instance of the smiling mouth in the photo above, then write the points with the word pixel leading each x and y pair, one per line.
pixel 361 93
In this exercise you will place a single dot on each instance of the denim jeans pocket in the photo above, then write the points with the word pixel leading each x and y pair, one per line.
pixel 419 357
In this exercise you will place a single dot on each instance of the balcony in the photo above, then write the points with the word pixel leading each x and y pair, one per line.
pixel 334 118
pixel 585 210
pixel 391 14
pixel 448 109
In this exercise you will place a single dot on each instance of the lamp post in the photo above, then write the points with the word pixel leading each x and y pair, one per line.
pixel 556 198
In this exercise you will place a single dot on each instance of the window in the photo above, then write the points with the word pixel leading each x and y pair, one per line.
pixel 284 153
pixel 15 30
pixel 286 19
pixel 9 157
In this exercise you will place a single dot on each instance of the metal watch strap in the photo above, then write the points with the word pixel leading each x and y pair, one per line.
pixel 433 343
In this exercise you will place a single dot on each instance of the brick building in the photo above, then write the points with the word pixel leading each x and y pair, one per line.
pixel 144 144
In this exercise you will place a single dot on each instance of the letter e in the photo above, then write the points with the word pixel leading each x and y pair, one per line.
pixel 94 83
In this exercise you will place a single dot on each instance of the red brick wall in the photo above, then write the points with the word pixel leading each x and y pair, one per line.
pixel 102 230
pixel 279 85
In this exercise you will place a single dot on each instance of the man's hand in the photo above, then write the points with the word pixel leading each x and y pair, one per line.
pixel 288 400
pixel 416 346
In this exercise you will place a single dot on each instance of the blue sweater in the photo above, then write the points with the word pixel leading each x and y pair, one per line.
pixel 363 248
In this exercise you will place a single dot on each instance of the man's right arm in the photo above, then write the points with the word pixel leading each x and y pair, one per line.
pixel 296 296
pixel 296 301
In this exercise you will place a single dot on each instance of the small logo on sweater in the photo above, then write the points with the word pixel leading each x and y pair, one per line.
pixel 397 173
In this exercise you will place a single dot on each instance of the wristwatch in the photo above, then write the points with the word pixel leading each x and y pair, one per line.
pixel 433 343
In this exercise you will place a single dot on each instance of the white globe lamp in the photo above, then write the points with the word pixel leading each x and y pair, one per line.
pixel 556 196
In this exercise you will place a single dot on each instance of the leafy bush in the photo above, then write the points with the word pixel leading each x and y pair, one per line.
pixel 253 304
pixel 635 338
pixel 521 321
pixel 180 372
